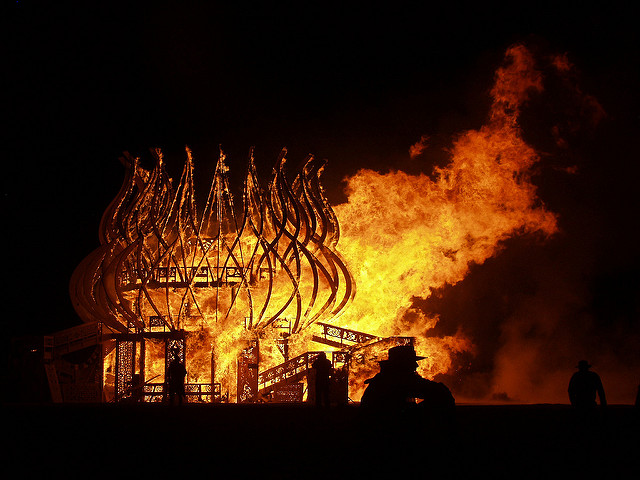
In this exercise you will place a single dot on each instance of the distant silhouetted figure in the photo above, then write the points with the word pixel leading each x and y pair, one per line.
pixel 176 373
pixel 583 387
pixel 398 385
pixel 136 387
pixel 638 397
pixel 323 370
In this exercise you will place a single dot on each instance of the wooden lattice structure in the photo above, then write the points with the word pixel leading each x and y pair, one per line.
pixel 166 269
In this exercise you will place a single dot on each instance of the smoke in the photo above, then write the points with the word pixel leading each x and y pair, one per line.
pixel 561 318
pixel 531 314
pixel 488 261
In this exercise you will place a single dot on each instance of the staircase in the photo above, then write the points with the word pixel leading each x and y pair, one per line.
pixel 286 373
pixel 63 342
pixel 73 339
pixel 348 341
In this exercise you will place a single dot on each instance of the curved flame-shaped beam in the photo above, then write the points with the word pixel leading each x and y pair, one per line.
pixel 162 264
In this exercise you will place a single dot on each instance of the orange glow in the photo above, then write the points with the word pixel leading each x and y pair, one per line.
pixel 405 235
pixel 226 277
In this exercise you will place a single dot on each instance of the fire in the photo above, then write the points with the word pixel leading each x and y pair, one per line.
pixel 278 262
pixel 225 277
pixel 404 235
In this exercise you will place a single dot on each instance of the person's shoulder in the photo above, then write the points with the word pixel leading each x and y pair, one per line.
pixel 375 379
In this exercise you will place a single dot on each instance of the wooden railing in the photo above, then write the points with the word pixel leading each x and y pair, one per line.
pixel 289 371
pixel 341 337
pixel 194 392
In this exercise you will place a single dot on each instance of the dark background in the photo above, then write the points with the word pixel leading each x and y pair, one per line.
pixel 358 85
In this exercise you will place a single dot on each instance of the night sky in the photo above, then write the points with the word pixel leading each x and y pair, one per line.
pixel 358 86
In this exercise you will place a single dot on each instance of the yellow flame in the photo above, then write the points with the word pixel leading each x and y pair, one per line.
pixel 405 235
pixel 402 236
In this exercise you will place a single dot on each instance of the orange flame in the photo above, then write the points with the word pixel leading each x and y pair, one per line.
pixel 405 235
pixel 402 236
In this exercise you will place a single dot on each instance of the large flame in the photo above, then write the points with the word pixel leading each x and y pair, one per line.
pixel 405 235
pixel 402 237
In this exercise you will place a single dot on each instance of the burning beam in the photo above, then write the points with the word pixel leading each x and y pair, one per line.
pixel 229 272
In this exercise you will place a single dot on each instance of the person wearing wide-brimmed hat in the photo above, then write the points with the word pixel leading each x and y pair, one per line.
pixel 397 387
pixel 583 387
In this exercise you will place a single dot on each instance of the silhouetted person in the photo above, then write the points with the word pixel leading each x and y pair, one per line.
pixel 323 370
pixel 176 373
pixel 339 386
pixel 398 385
pixel 583 387
pixel 137 385
pixel 638 397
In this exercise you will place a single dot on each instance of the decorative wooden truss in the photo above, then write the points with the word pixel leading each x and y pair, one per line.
pixel 162 264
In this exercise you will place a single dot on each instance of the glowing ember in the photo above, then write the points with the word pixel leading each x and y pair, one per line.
pixel 269 269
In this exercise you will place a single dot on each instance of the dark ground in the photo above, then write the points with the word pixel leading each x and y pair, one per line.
pixel 282 441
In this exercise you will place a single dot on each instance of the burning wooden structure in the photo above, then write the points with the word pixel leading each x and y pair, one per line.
pixel 236 292
pixel 247 289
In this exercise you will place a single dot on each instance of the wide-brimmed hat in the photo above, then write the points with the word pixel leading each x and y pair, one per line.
pixel 583 364
pixel 402 354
